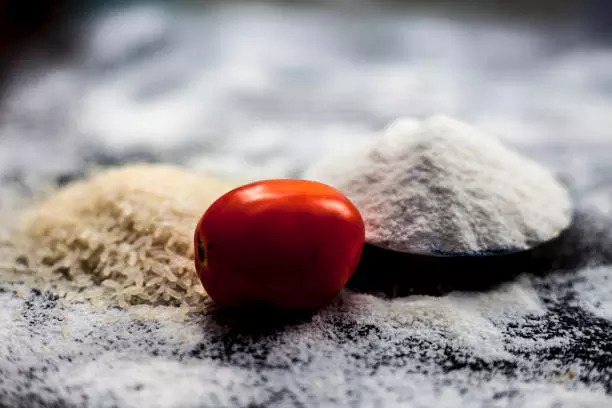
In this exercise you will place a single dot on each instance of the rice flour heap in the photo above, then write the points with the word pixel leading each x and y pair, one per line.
pixel 441 186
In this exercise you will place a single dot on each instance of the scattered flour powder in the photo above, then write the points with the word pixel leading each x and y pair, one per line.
pixel 442 186
pixel 594 290
pixel 360 350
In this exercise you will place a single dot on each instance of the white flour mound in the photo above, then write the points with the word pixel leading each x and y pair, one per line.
pixel 443 186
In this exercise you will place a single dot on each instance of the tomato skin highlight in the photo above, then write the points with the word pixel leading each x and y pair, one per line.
pixel 291 244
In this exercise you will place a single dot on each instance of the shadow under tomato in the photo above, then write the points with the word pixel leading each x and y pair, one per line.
pixel 587 241
pixel 257 319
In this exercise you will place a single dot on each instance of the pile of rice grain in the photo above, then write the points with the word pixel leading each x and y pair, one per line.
pixel 123 237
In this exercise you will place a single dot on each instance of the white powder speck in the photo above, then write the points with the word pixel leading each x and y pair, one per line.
pixel 443 186
pixel 594 290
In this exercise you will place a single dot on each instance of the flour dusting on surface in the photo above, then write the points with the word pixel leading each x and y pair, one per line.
pixel 391 350
pixel 594 290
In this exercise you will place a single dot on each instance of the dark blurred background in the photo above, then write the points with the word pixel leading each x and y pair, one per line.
pixel 23 20
pixel 264 88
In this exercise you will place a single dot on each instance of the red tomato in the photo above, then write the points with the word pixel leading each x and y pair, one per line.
pixel 291 244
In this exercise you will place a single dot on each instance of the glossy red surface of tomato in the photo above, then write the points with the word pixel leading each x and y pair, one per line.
pixel 291 244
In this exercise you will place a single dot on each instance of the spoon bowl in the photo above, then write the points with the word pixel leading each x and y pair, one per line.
pixel 397 273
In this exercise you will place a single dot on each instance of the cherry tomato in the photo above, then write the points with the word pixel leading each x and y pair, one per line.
pixel 291 244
